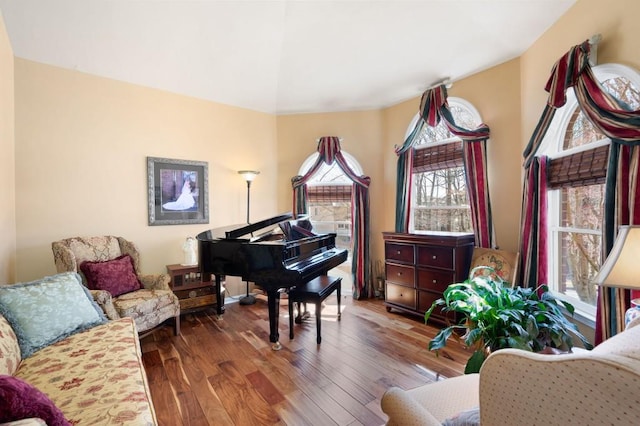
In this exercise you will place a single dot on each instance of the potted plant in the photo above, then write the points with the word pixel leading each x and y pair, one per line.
pixel 495 316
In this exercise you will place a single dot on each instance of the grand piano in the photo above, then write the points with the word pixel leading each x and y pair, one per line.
pixel 261 253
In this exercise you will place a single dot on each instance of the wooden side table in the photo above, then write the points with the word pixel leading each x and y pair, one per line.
pixel 194 289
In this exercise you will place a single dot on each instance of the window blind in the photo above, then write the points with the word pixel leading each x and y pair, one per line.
pixel 439 157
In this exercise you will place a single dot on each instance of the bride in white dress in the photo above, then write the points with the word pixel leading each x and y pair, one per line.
pixel 185 201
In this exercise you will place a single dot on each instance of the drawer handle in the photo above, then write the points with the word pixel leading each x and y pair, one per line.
pixel 434 281
pixel 398 252
pixel 434 257
pixel 399 274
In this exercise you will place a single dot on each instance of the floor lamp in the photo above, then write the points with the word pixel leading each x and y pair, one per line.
pixel 249 176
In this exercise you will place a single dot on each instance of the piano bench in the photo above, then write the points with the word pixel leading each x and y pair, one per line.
pixel 314 291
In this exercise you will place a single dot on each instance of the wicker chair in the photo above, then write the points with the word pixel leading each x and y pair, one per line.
pixel 150 306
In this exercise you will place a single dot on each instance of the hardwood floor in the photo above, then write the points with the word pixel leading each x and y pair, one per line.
pixel 224 372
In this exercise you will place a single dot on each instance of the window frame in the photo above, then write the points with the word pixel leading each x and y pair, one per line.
pixel 452 101
pixel 551 146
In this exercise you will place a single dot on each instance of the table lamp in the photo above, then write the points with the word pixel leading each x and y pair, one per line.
pixel 620 269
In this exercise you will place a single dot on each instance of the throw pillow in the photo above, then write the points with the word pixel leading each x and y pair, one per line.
pixel 45 311
pixel 117 276
pixel 469 417
pixel 19 400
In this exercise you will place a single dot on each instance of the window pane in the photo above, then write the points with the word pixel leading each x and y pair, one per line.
pixel 440 201
pixel 579 264
pixel 582 207
pixel 332 218
pixel 580 241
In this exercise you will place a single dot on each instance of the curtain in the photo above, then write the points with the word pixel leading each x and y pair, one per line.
pixel 328 153
pixel 433 108
pixel 622 125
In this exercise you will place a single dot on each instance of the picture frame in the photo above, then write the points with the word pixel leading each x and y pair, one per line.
pixel 178 191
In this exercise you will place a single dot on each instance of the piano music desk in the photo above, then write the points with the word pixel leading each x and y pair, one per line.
pixel 314 291
pixel 194 289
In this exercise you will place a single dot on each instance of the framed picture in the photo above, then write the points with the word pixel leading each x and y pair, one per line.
pixel 178 191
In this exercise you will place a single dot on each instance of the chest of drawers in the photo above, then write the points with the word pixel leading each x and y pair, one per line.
pixel 420 266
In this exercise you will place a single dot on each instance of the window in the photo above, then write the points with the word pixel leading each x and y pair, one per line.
pixel 577 172
pixel 439 200
pixel 329 191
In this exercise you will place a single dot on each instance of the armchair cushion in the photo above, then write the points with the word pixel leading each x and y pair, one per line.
pixel 19 400
pixel 116 276
pixel 44 311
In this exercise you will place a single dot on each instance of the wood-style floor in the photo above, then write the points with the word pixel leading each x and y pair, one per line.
pixel 224 372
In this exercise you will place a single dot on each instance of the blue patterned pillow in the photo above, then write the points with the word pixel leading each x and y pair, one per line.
pixel 45 311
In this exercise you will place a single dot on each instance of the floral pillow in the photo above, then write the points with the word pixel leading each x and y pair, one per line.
pixel 117 276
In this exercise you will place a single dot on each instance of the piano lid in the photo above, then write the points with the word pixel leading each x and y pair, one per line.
pixel 235 232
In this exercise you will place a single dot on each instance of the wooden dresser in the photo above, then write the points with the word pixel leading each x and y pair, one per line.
pixel 420 266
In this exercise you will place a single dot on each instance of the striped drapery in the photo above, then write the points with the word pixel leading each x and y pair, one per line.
pixel 328 153
pixel 433 108
pixel 622 125
pixel 533 245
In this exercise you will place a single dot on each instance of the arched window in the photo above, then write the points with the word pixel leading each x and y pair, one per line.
pixel 578 155
pixel 439 199
pixel 329 192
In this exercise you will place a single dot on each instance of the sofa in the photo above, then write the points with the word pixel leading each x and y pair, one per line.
pixel 516 387
pixel 63 362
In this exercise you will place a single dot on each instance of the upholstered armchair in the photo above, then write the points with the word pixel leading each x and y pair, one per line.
pixel 99 260
pixel 517 387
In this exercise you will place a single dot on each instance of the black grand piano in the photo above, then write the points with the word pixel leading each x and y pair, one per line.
pixel 262 254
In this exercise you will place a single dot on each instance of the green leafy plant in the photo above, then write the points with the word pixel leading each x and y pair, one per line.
pixel 495 316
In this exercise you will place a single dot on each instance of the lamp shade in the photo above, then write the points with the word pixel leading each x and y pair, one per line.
pixel 248 175
pixel 621 267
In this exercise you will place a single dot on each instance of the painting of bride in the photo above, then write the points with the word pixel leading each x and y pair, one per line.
pixel 182 190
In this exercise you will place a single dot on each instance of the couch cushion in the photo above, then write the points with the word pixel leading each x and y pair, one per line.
pixel 95 377
pixel 44 311
pixel 116 276
pixel 19 400
pixel 9 348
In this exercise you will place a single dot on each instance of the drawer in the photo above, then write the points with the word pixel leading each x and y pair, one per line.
pixel 401 274
pixel 426 299
pixel 400 295
pixel 197 302
pixel 403 253
pixel 195 292
pixel 438 257
pixel 434 279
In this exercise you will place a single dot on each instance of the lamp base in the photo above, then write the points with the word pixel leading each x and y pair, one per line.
pixel 250 299
pixel 633 312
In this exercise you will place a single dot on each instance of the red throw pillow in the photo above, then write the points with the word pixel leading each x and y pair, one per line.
pixel 117 276
pixel 19 400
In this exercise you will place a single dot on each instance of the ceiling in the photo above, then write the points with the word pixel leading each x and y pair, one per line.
pixel 279 56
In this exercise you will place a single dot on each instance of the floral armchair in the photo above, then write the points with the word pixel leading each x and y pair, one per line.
pixel 150 305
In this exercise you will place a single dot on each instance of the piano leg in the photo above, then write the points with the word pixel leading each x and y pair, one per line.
pixel 273 302
pixel 219 298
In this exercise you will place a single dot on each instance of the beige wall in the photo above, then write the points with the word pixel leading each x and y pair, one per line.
pixel 7 161
pixel 81 148
pixel 81 143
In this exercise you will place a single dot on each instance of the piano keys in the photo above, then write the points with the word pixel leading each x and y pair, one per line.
pixel 260 253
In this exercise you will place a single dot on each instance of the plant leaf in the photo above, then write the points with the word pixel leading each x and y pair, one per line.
pixel 475 362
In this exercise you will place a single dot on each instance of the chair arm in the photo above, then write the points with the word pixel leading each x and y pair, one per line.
pixel 63 258
pixel 525 388
pixel 155 281
pixel 402 409
pixel 103 299
pixel 32 421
